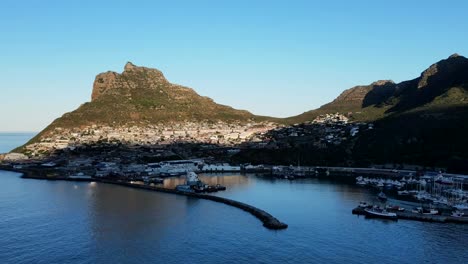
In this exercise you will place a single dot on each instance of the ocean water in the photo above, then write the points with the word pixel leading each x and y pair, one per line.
pixel 9 141
pixel 66 222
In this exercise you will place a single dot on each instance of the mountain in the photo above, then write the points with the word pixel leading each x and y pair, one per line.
pixel 420 121
pixel 143 95
pixel 444 83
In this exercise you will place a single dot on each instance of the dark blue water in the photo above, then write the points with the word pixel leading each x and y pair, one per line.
pixel 65 222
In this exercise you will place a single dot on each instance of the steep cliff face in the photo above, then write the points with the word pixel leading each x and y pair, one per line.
pixel 436 81
pixel 365 95
pixel 133 77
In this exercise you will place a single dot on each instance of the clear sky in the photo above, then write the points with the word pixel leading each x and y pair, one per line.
pixel 277 58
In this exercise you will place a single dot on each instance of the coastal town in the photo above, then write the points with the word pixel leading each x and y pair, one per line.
pixel 144 152
pixel 102 150
pixel 145 157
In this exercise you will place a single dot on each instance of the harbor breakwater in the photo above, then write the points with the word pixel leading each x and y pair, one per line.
pixel 267 219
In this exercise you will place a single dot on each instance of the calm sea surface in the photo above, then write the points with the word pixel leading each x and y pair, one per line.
pixel 9 141
pixel 66 222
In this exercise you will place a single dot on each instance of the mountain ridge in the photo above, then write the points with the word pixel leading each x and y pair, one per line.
pixel 380 98
pixel 142 97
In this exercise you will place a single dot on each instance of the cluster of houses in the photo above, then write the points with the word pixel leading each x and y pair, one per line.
pixel 336 118
pixel 323 131
pixel 221 133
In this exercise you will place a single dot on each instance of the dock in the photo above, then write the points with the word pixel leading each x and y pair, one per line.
pixel 420 217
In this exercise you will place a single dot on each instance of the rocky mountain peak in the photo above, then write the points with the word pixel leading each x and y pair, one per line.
pixel 129 66
pixel 382 82
pixel 453 69
pixel 133 77
pixel 364 94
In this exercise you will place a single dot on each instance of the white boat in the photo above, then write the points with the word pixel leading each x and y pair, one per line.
pixel 458 214
pixel 380 213
pixel 405 192
pixel 192 178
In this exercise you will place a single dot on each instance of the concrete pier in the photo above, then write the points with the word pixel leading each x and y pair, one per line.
pixel 408 215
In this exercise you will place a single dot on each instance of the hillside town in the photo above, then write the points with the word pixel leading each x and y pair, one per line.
pixel 219 133
pixel 145 153
pixel 214 140
pixel 324 131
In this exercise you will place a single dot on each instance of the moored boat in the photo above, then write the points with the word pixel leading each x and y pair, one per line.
pixel 377 212
pixel 403 193
pixel 458 213
pixel 426 211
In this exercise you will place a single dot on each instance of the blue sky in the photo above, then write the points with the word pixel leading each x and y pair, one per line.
pixel 277 58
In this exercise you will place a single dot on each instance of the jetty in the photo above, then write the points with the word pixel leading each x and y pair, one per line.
pixel 267 219
pixel 408 215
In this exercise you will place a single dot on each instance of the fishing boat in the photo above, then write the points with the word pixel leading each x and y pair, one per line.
pixel 377 212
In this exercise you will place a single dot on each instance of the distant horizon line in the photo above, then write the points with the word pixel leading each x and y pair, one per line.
pixel 18 132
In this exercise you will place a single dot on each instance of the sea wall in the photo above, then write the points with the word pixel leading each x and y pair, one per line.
pixel 267 219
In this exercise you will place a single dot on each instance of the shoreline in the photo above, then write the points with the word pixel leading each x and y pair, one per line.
pixel 269 221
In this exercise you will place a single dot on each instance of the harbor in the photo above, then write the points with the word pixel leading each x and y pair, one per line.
pixel 444 192
pixel 410 215
pixel 440 198
pixel 269 221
